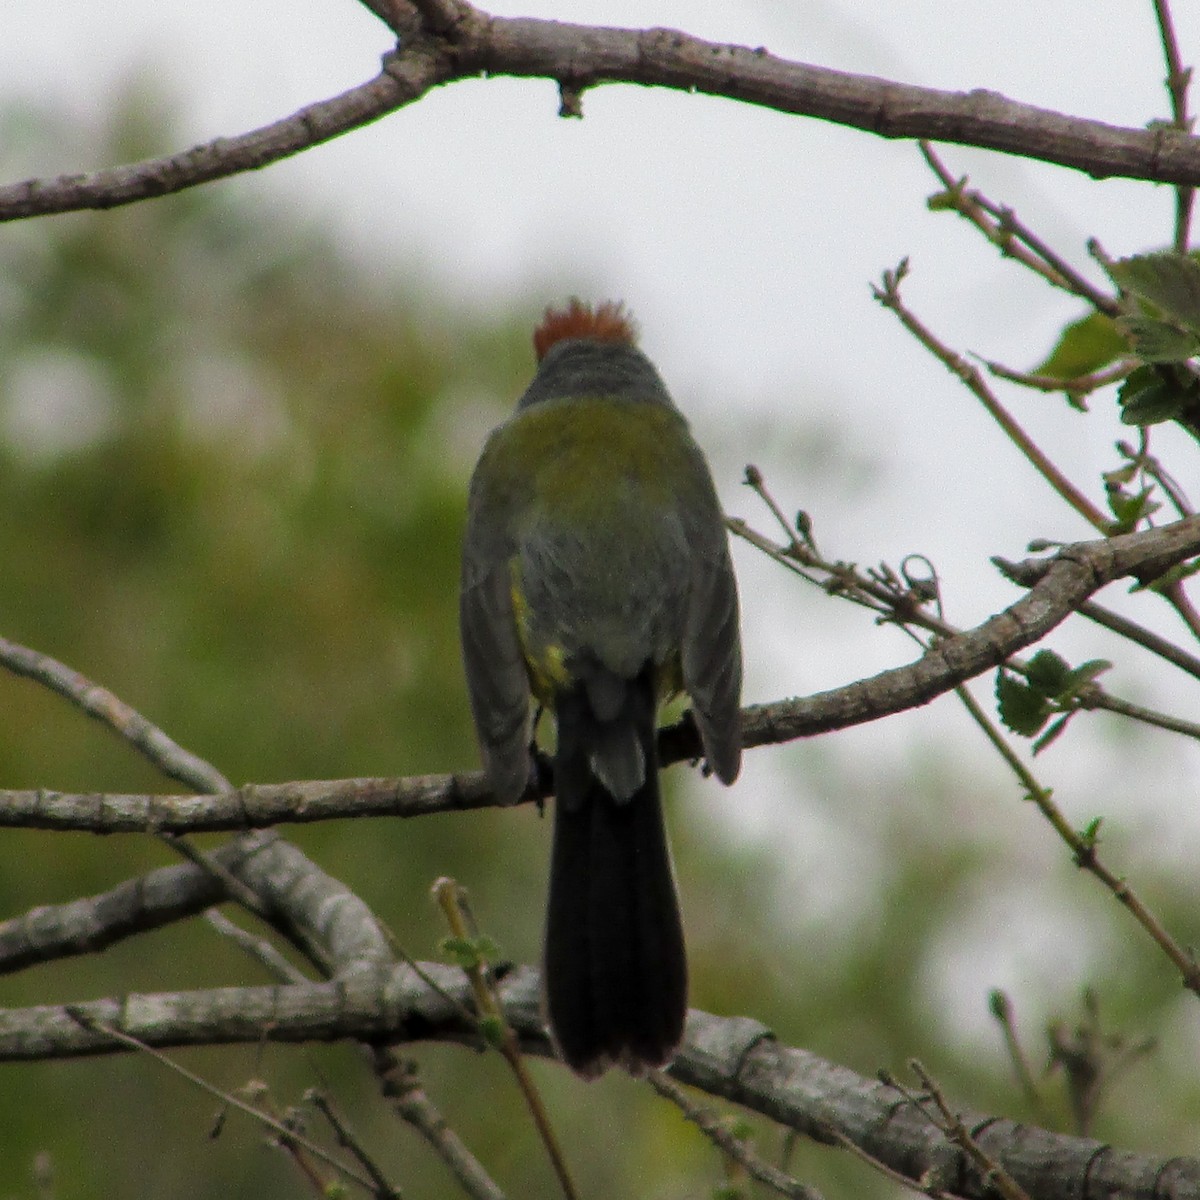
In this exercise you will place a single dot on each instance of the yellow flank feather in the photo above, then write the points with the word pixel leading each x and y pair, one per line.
pixel 547 670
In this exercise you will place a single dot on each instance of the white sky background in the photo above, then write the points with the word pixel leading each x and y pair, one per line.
pixel 745 241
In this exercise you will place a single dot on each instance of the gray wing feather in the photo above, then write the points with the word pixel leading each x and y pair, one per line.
pixel 712 660
pixel 497 681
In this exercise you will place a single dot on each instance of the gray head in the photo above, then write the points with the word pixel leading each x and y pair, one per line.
pixel 585 351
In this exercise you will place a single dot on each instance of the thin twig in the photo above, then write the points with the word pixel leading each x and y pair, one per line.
pixel 1181 602
pixel 349 1140
pixel 889 296
pixel 923 1187
pixel 1146 638
pixel 226 1098
pixel 951 1124
pixel 497 1031
pixel 1001 1009
pixel 1083 847
pixel 99 703
pixel 1081 385
pixel 1001 226
pixel 904 608
pixel 1136 712
pixel 257 948
pixel 1177 81
pixel 235 888
pixel 1150 466
pixel 718 1132
pixel 402 1086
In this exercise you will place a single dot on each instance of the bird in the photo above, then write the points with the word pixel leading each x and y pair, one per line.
pixel 597 584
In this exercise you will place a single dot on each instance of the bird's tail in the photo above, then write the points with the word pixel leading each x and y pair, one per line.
pixel 615 964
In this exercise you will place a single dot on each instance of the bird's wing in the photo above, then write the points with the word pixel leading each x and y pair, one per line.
pixel 712 658
pixel 497 681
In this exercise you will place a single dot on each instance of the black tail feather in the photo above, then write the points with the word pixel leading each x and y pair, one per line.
pixel 615 964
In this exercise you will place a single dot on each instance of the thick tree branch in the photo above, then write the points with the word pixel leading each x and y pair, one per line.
pixel 314 911
pixel 1064 582
pixel 459 41
pixel 736 1058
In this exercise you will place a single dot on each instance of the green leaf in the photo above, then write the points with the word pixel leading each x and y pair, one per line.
pixel 1052 734
pixel 1159 341
pixel 1022 709
pixel 1121 475
pixel 1130 508
pixel 1090 834
pixel 951 200
pixel 1084 674
pixel 1048 672
pixel 1084 346
pixel 1150 396
pixel 1170 282
pixel 488 948
pixel 463 951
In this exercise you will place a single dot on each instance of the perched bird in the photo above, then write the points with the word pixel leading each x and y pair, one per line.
pixel 596 579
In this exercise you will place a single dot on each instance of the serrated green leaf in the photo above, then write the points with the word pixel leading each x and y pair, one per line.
pixel 463 951
pixel 1084 346
pixel 1121 475
pixel 1170 282
pixel 1159 341
pixel 1150 396
pixel 1083 674
pixel 1022 709
pixel 488 948
pixel 1129 509
pixel 1090 834
pixel 1047 672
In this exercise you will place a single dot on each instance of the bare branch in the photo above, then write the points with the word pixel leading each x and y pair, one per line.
pixel 98 702
pixel 1059 586
pixel 88 1020
pixel 459 41
pixel 1083 847
pixel 348 1139
pixel 999 224
pixel 1177 81
pixel 1080 386
pixel 401 1086
pixel 933 1103
pixel 732 1057
pixel 314 911
pixel 718 1132
pixel 1146 638
pixel 218 159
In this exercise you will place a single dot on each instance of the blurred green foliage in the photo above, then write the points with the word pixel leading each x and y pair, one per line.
pixel 232 479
